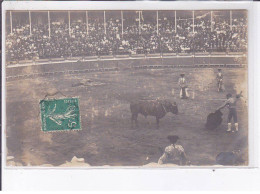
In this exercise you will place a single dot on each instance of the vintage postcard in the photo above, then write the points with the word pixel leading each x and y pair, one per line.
pixel 126 88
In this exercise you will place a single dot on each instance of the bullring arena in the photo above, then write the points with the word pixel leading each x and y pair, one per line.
pixel 106 82
pixel 106 137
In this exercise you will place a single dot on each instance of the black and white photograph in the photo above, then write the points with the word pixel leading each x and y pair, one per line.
pixel 145 88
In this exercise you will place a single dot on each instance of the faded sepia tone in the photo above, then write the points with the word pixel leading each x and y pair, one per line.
pixel 147 83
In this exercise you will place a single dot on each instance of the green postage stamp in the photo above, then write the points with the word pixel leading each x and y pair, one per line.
pixel 60 114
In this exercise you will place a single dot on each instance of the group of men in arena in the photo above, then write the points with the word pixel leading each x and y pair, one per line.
pixel 174 153
pixel 230 102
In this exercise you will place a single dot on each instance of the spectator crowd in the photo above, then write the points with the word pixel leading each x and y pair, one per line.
pixel 97 39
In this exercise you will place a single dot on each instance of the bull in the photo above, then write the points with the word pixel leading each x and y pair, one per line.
pixel 156 108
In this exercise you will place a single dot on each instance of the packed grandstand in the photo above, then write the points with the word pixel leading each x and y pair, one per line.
pixel 44 35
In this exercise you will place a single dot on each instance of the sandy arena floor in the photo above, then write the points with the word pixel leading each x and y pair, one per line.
pixel 106 137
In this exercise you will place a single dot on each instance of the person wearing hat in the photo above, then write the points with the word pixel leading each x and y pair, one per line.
pixel 220 81
pixel 183 85
pixel 231 104
pixel 173 153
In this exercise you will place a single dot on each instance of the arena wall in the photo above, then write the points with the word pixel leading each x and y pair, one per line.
pixel 84 65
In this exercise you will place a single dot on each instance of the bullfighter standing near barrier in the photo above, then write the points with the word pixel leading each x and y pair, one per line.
pixel 231 104
pixel 184 88
pixel 220 81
